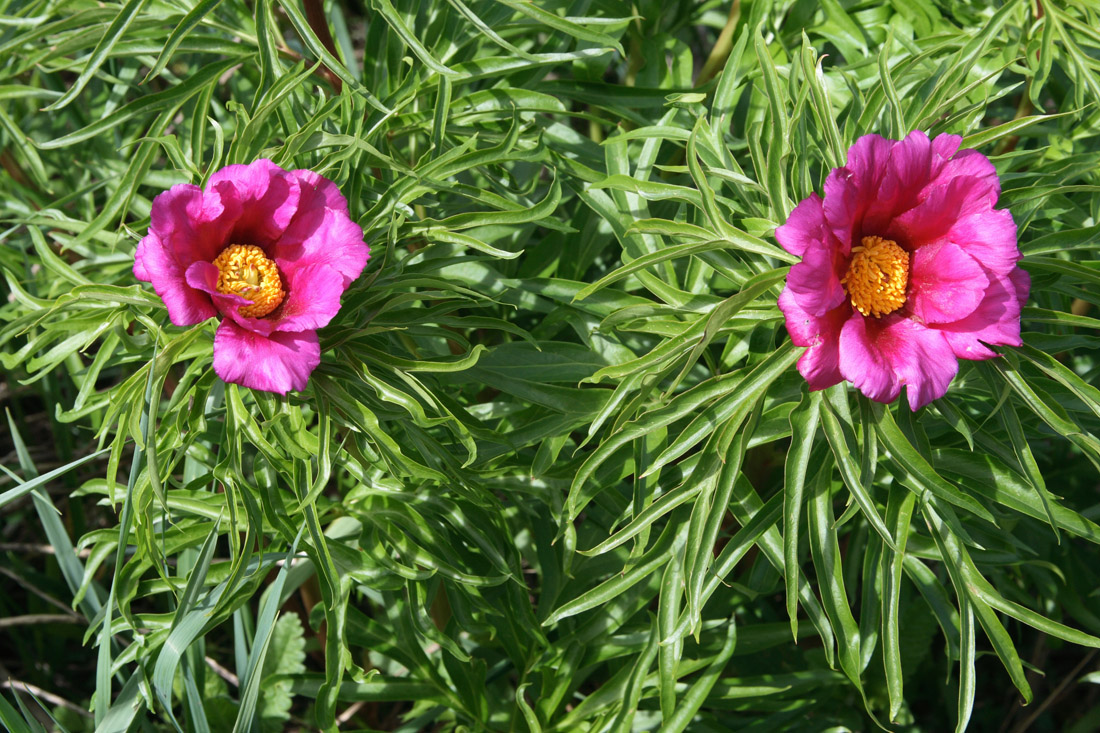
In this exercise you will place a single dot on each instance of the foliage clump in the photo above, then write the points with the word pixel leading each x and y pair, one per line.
pixel 556 470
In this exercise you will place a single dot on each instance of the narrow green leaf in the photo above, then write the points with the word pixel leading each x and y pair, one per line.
pixel 843 451
pixel 701 688
pixel 804 421
pixel 102 50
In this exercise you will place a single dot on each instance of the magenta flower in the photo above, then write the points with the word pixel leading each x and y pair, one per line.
pixel 906 268
pixel 270 251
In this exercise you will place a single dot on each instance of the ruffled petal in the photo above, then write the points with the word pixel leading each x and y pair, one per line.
pixel 277 363
pixel 186 226
pixel 268 197
pixel 922 359
pixel 140 271
pixel 1021 282
pixel 939 210
pixel 943 148
pixel 814 282
pixel 995 321
pixel 881 356
pixel 906 173
pixel 805 227
pixel 868 159
pixel 971 164
pixel 945 284
pixel 322 236
pixel 862 362
pixel 313 299
pixel 843 207
pixel 820 364
pixel 990 238
pixel 315 185
pixel 192 224
pixel 204 276
pixel 156 263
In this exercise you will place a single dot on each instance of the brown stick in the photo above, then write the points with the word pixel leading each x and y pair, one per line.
pixel 1060 690
pixel 40 618
pixel 49 697
pixel 315 16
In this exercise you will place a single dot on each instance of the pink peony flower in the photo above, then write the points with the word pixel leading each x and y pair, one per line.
pixel 269 251
pixel 906 268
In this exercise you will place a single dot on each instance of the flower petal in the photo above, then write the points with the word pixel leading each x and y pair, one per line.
pixel 945 284
pixel 204 276
pixel 804 228
pixel 820 363
pixel 975 166
pixel 939 210
pixel 141 272
pixel 990 238
pixel 315 185
pixel 191 223
pixel 843 208
pixel 862 362
pixel 322 236
pixel 313 298
pixel 881 356
pixel 156 263
pixel 943 148
pixel 851 191
pixel 277 363
pixel 268 198
pixel 186 226
pixel 906 173
pixel 923 361
pixel 814 282
pixel 868 159
pixel 995 321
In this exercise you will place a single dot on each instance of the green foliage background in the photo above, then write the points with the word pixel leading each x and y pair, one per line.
pixel 557 471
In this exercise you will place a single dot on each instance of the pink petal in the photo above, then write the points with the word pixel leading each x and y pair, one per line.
pixel 907 172
pixel 943 147
pixel 159 265
pixel 140 271
pixel 186 226
pixel 972 164
pixel 268 197
pixel 990 238
pixel 814 283
pixel 820 363
pixel 910 162
pixel 173 218
pixel 322 236
pixel 204 276
pixel 277 363
pixel 1021 282
pixel 868 159
pixel 313 299
pixel 945 284
pixel 923 361
pixel 879 357
pixel 862 362
pixel 939 210
pixel 851 191
pixel 996 320
pixel 314 185
pixel 805 227
pixel 191 223
pixel 844 207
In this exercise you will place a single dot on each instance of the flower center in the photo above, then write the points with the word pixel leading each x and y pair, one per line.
pixel 877 276
pixel 245 270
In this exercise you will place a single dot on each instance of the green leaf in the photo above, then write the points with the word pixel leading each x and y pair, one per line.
pixel 102 50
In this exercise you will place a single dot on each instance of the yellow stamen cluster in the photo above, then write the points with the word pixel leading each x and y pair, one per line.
pixel 244 270
pixel 877 276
